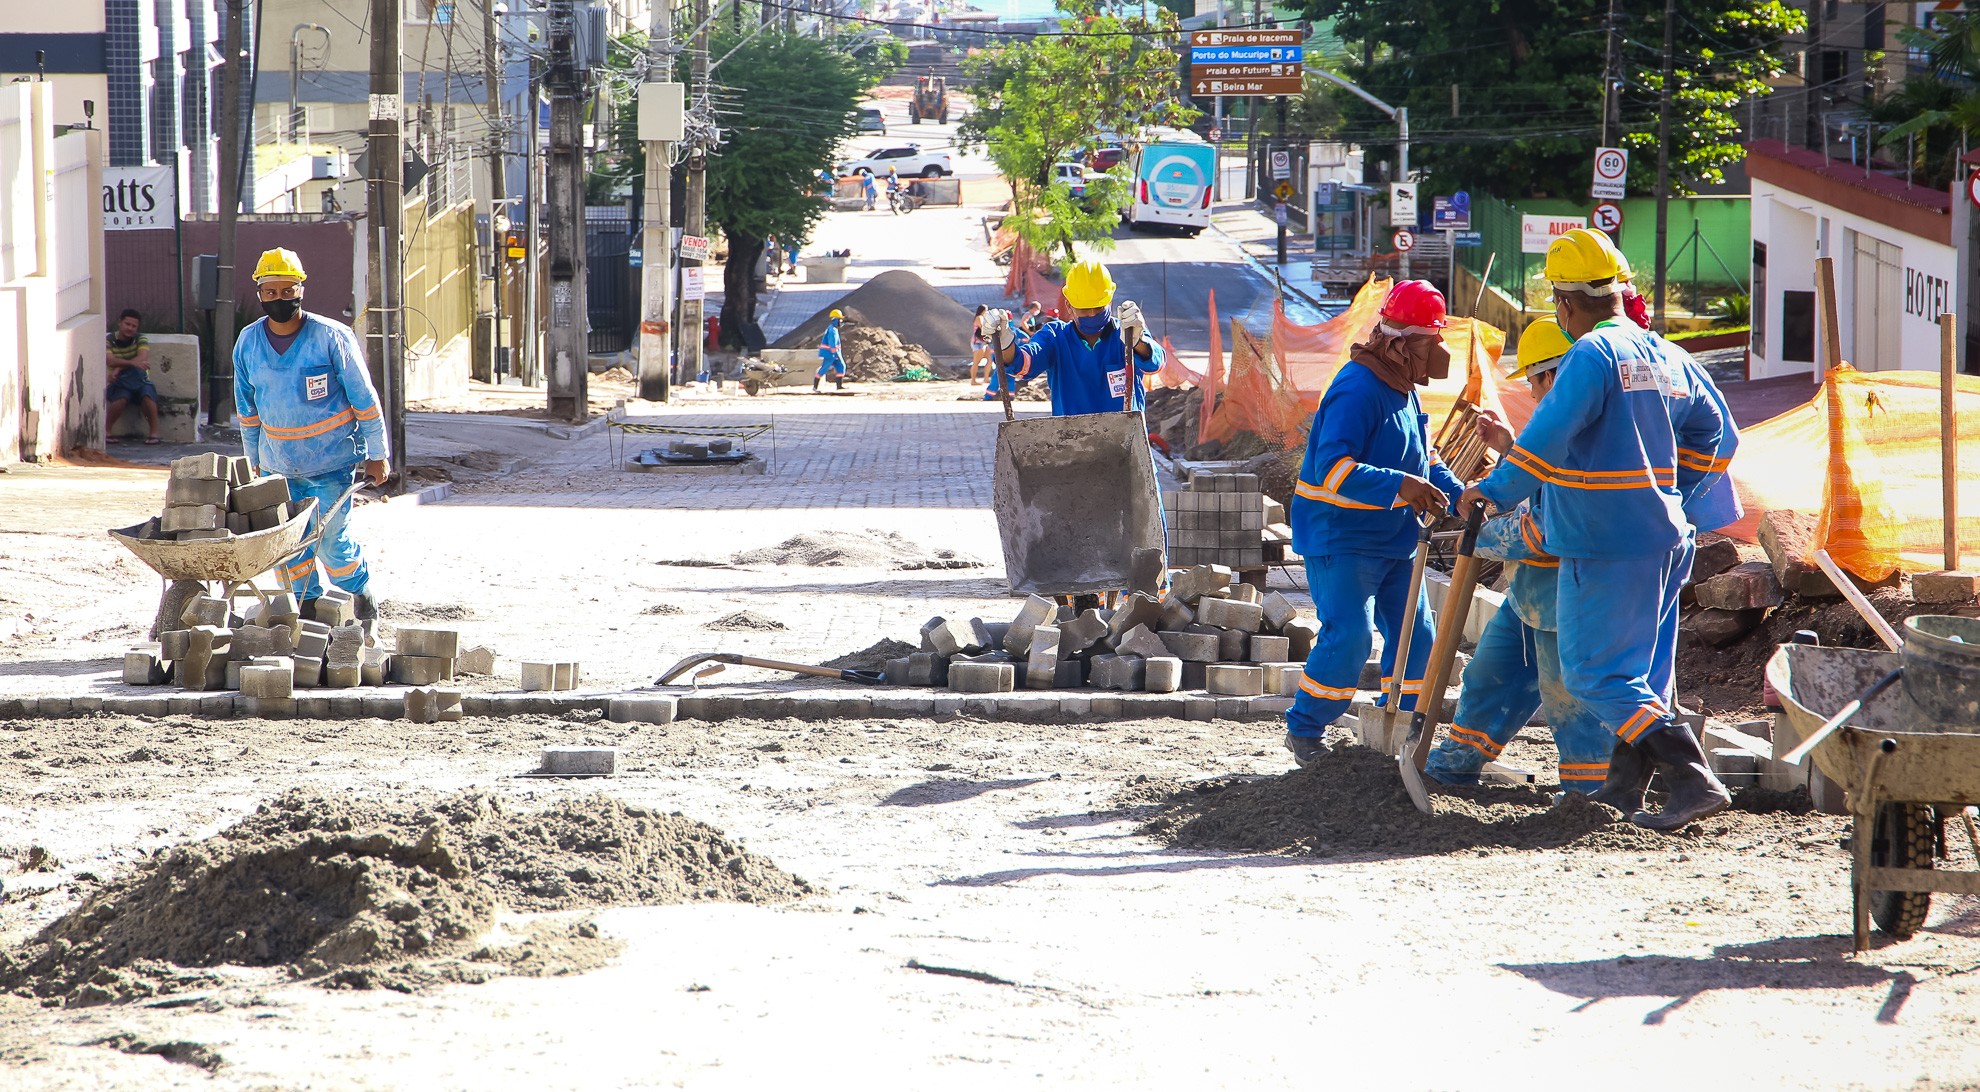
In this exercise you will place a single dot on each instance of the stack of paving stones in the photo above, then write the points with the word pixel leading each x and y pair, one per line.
pixel 1208 633
pixel 1219 519
pixel 211 497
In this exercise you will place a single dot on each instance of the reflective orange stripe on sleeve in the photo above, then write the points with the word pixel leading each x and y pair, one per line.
pixel 366 414
pixel 1327 496
pixel 1699 460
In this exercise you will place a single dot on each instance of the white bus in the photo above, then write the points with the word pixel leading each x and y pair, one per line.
pixel 1174 181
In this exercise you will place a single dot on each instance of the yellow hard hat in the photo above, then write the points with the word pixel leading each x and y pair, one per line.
pixel 279 264
pixel 1579 259
pixel 836 313
pixel 1541 346
pixel 1088 284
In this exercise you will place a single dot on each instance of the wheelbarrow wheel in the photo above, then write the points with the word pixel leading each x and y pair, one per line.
pixel 1903 838
pixel 752 386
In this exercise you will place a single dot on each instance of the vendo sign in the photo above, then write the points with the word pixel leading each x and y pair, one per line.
pixel 139 198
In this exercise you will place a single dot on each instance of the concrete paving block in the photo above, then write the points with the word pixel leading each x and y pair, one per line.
pixel 895 671
pixel 239 523
pixel 313 707
pixel 267 682
pixel 1036 611
pixel 1069 675
pixel 173 643
pixel 343 676
pixel 345 647
pixel 927 669
pixel 1741 587
pixel 1176 614
pixel 1141 641
pixel 1199 580
pixel 580 761
pixel 1945 587
pixel 903 706
pixel 1193 674
pixel 1271 706
pixel 332 608
pixel 384 706
pixel 1134 610
pixel 313 645
pixel 1161 674
pixel 479 660
pixel 949 637
pixel 439 642
pixel 205 610
pixel 982 678
pixel 447 702
pixel 946 705
pixel 643 708
pixel 1122 672
pixel 307 672
pixel 1234 708
pixel 192 492
pixel 425 670
pixel 144 667
pixel 375 671
pixel 1278 610
pixel 1076 705
pixel 1268 650
pixel 1151 706
pixel 347 706
pixel 1283 679
pixel 1045 642
pixel 1081 633
pixel 420 705
pixel 1107 707
pixel 269 518
pixel 182 705
pixel 253 640
pixel 193 517
pixel 1230 614
pixel 1194 647
pixel 312 626
pixel 271 708
pixel 259 494
pixel 1300 637
pixel 210 465
pixel 52 707
pixel 1245 593
pixel 1235 680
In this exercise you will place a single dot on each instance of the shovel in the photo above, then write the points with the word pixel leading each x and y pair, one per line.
pixel 1450 630
pixel 844 674
pixel 1407 631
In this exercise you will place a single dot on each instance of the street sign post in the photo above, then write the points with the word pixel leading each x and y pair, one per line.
pixel 1246 62
pixel 1451 213
pixel 1281 164
pixel 1609 217
pixel 1467 238
pixel 694 248
pixel 1403 240
pixel 1402 204
pixel 1611 170
pixel 1283 191
pixel 1216 135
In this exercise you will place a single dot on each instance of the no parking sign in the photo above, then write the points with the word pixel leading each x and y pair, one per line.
pixel 1609 217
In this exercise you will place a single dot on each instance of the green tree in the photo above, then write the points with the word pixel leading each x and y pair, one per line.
pixel 1527 75
pixel 1038 101
pixel 1936 116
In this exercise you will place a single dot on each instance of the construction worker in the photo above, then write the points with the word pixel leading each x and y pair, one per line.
pixel 1631 429
pixel 1086 360
pixel 1515 669
pixel 830 358
pixel 308 412
pixel 1368 467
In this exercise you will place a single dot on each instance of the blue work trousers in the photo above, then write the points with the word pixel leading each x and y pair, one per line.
pixel 1619 627
pixel 1354 595
pixel 343 560
pixel 1514 672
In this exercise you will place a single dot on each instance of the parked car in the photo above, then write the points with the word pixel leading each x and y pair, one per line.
pixel 1105 158
pixel 1073 175
pixel 871 120
pixel 905 159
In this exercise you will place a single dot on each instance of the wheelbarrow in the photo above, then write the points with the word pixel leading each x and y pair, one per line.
pixel 233 563
pixel 1075 498
pixel 1909 760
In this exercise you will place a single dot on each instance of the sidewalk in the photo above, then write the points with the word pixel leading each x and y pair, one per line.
pixel 1251 227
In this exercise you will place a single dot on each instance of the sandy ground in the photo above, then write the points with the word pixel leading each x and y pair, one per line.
pixel 1092 955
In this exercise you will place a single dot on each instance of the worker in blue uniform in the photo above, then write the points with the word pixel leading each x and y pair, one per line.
pixel 1369 467
pixel 1515 670
pixel 831 356
pixel 1627 434
pixel 307 411
pixel 1085 361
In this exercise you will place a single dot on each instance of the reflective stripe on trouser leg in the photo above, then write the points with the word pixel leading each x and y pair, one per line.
pixel 1584 743
pixel 342 559
pixel 1613 615
pixel 1343 587
pixel 1501 691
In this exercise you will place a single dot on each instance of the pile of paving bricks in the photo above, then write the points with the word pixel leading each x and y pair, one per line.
pixel 1207 633
pixel 212 497
pixel 1220 519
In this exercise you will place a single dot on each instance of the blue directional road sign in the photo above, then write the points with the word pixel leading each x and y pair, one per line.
pixel 1249 54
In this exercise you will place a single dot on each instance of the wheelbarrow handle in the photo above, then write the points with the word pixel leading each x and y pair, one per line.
pixel 323 518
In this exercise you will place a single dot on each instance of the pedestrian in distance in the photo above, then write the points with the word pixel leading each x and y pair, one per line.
pixel 1369 470
pixel 1033 319
pixel 831 356
pixel 1630 445
pixel 127 360
pixel 871 189
pixel 979 345
pixel 307 411
pixel 1515 669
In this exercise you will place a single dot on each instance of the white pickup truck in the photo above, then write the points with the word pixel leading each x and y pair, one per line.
pixel 907 160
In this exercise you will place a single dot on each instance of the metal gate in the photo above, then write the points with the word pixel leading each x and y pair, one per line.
pixel 611 297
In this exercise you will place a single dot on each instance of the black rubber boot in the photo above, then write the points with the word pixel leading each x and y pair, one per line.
pixel 1629 776
pixel 1694 792
pixel 1306 750
pixel 814 384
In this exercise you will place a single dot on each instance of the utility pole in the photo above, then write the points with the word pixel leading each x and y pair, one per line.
pixel 220 403
pixel 656 248
pixel 1664 157
pixel 568 350
pixel 498 189
pixel 385 205
pixel 532 340
pixel 695 220
pixel 1611 101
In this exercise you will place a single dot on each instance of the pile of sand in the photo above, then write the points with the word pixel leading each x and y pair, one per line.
pixel 900 302
pixel 874 354
pixel 873 657
pixel 872 549
pixel 747 621
pixel 336 888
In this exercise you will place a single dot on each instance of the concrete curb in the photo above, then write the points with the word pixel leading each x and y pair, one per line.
pixel 1318 303
pixel 651 708
pixel 578 432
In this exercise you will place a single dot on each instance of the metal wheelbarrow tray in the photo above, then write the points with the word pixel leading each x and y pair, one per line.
pixel 229 560
pixel 1904 782
pixel 1075 497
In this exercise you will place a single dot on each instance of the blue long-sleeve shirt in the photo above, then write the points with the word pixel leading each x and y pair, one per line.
pixel 828 345
pixel 1367 436
pixel 1084 378
pixel 311 410
pixel 1630 432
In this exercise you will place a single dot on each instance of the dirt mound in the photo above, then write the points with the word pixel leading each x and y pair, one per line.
pixel 322 886
pixel 423 612
pixel 875 354
pixel 874 549
pixel 874 656
pixel 903 303
pixel 746 621
pixel 1353 802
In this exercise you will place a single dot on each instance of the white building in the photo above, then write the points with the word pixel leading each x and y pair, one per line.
pixel 1897 265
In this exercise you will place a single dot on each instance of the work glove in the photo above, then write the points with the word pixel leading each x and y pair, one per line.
pixel 997 323
pixel 1129 319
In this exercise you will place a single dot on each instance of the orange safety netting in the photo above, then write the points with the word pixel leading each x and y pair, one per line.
pixel 1881 500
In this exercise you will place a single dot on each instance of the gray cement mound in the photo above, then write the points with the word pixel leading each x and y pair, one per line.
pixel 903 303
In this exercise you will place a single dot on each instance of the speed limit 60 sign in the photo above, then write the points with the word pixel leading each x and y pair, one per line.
pixel 1611 168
